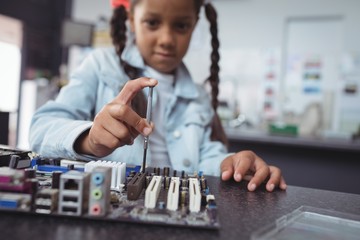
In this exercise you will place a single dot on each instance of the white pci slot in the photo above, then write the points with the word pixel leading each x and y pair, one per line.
pixel 152 192
pixel 194 195
pixel 121 172
pixel 173 194
pixel 67 162
pixel 118 171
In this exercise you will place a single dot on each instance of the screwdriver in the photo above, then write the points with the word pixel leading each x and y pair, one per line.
pixel 148 119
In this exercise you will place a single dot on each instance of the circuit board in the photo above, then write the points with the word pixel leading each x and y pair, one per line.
pixel 108 191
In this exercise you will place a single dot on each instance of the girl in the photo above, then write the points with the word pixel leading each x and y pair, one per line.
pixel 100 113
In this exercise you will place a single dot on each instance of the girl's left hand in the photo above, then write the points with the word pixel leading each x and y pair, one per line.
pixel 247 165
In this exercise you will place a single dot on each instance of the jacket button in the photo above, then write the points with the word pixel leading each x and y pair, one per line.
pixel 186 162
pixel 177 134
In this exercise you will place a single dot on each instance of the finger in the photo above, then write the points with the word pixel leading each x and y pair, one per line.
pixel 114 126
pixel 262 171
pixel 102 142
pixel 275 179
pixel 283 184
pixel 132 87
pixel 135 133
pixel 227 168
pixel 244 160
pixel 121 131
pixel 126 114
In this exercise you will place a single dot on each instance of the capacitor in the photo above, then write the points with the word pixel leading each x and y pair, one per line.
pixel 33 188
pixel 157 171
pixel 184 196
pixel 32 185
pixel 167 180
pixel 55 181
pixel 184 182
pixel 203 199
pixel 166 171
pixel 30 173
pixel 203 183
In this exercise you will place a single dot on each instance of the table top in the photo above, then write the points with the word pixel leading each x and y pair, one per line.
pixel 240 214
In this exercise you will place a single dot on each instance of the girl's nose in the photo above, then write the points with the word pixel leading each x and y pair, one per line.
pixel 166 37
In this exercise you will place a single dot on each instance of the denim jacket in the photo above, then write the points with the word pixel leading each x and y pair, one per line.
pixel 57 124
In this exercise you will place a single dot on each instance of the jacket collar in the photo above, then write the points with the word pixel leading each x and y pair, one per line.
pixel 185 88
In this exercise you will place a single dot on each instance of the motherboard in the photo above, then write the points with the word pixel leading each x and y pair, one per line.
pixel 108 191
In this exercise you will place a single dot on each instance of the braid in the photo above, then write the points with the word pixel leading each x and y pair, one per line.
pixel 215 57
pixel 118 29
pixel 218 132
pixel 118 35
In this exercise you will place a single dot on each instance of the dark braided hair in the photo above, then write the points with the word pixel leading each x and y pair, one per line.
pixel 218 132
pixel 118 34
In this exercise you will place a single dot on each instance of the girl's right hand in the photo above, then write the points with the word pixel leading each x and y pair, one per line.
pixel 117 124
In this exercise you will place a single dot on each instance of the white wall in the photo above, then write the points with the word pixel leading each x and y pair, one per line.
pixel 11 35
pixel 11 31
pixel 90 10
pixel 261 22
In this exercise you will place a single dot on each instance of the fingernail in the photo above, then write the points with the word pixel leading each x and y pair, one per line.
pixel 224 175
pixel 146 131
pixel 237 177
pixel 252 187
pixel 271 187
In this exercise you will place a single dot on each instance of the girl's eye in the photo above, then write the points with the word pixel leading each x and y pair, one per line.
pixel 152 23
pixel 182 27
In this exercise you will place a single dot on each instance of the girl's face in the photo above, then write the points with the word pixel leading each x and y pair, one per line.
pixel 163 31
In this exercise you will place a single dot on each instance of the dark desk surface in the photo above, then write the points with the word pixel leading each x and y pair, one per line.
pixel 240 212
